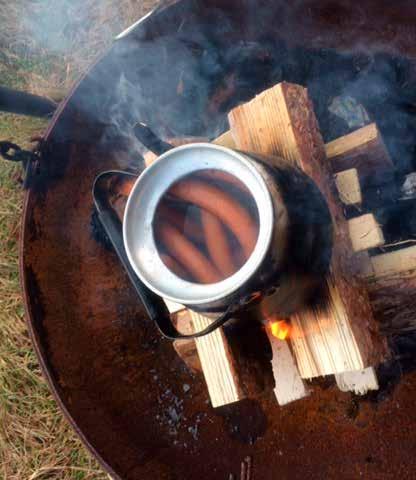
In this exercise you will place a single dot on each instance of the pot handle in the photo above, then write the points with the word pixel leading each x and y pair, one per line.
pixel 22 103
pixel 150 140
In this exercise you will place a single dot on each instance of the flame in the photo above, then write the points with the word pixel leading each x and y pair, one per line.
pixel 280 329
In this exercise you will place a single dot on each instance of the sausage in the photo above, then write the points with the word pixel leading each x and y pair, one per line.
pixel 175 266
pixel 177 218
pixel 125 187
pixel 222 205
pixel 223 177
pixel 187 254
pixel 217 243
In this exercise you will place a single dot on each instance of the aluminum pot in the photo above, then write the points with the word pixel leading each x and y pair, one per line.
pixel 292 250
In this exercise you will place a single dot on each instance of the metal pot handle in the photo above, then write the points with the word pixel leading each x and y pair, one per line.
pixel 150 140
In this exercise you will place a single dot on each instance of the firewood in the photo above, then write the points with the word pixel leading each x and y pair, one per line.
pixel 186 349
pixel 362 149
pixel 210 354
pixel 393 298
pixel 342 335
pixel 235 359
pixel 365 232
pixel 218 364
pixel 288 384
pixel 359 382
pixel 348 186
pixel 392 287
pixel 397 263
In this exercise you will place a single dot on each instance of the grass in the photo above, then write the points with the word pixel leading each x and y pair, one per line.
pixel 44 46
pixel 36 442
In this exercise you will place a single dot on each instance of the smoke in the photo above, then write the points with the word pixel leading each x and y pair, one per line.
pixel 201 63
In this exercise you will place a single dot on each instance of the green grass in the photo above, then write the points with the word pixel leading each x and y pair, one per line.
pixel 36 442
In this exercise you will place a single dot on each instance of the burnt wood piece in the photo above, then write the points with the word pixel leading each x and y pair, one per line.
pixel 392 287
pixel 340 334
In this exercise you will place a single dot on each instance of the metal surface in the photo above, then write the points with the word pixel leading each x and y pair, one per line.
pixel 120 384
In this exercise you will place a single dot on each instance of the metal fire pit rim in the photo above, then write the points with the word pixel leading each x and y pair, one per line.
pixel 29 315
pixel 40 354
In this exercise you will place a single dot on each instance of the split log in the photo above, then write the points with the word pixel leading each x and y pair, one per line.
pixel 289 386
pixel 218 364
pixel 393 299
pixel 365 232
pixel 234 360
pixel 348 186
pixel 392 287
pixel 342 335
pixel 392 264
pixel 362 149
pixel 359 382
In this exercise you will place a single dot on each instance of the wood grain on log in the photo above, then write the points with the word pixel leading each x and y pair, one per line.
pixel 362 149
pixel 342 335
pixel 218 364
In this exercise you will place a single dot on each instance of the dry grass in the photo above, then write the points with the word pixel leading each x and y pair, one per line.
pixel 36 442
pixel 44 46
pixel 52 41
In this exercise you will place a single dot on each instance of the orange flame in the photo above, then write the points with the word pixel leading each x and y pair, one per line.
pixel 280 329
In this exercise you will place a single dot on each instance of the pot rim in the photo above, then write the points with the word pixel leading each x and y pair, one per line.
pixel 144 198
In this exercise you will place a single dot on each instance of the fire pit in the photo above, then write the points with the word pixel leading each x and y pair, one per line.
pixel 140 410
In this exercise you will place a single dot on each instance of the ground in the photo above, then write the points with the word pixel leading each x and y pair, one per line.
pixel 43 51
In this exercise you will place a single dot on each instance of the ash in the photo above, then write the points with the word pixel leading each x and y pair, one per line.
pixel 172 418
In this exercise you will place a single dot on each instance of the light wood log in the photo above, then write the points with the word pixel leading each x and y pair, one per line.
pixel 225 140
pixel 392 264
pixel 348 186
pixel 210 354
pixel 362 149
pixel 360 382
pixel 365 232
pixel 342 335
pixel 289 386
pixel 218 364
